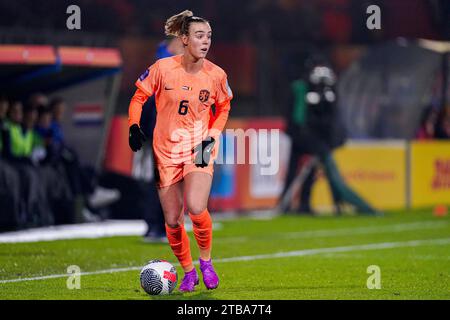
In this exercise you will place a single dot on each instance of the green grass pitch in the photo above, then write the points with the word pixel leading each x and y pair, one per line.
pixel 288 257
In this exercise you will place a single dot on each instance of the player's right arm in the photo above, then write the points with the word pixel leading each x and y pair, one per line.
pixel 135 108
pixel 147 85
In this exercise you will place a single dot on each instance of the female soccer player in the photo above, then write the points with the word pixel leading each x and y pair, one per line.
pixel 185 138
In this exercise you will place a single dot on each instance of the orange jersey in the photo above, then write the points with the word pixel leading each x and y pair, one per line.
pixel 183 104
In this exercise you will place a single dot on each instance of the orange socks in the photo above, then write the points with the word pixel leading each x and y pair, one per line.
pixel 179 242
pixel 202 225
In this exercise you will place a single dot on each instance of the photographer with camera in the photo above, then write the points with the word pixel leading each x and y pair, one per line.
pixel 316 130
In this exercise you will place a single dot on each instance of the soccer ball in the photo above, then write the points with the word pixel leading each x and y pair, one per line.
pixel 158 277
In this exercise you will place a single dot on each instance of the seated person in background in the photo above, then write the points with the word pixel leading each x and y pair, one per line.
pixel 54 178
pixel 427 128
pixel 83 180
pixel 443 124
pixel 37 99
pixel 4 105
pixel 23 149
pixel 57 108
pixel 9 179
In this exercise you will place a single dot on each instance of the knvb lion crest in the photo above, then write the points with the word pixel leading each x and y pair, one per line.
pixel 204 95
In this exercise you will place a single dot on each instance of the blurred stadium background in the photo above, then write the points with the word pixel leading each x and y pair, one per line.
pixel 388 80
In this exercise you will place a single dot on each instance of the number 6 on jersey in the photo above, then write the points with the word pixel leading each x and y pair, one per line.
pixel 183 108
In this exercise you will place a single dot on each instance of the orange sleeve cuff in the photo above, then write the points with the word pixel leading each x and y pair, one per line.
pixel 135 108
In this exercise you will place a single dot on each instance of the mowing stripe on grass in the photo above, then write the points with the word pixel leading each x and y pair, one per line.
pixel 401 227
pixel 362 247
pixel 297 253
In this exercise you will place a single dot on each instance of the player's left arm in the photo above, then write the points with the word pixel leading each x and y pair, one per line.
pixel 223 106
pixel 216 124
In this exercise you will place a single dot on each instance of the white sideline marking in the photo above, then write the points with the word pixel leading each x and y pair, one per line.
pixel 345 231
pixel 76 231
pixel 110 228
pixel 298 253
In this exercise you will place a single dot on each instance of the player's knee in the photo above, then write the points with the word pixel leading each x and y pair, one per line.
pixel 196 207
pixel 172 223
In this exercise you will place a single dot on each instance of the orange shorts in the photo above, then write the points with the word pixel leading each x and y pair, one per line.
pixel 167 175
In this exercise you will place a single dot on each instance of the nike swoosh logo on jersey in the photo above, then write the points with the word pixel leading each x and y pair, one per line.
pixel 167 88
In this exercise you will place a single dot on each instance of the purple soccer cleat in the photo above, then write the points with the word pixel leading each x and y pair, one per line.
pixel 210 278
pixel 189 281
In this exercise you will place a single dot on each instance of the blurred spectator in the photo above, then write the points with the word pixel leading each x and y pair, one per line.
pixel 170 47
pixel 428 120
pixel 28 125
pixel 83 180
pixel 43 127
pixel 22 148
pixel 57 109
pixel 37 99
pixel 4 105
pixel 54 178
pixel 443 124
pixel 9 179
